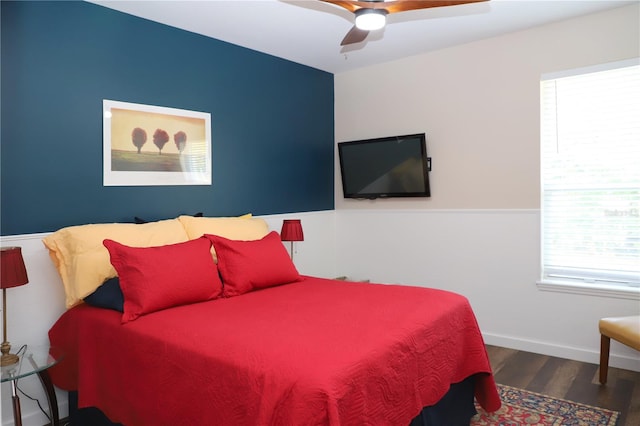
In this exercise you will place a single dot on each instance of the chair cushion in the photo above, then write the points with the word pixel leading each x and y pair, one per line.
pixel 625 330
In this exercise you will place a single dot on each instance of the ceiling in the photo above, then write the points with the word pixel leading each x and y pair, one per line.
pixel 310 31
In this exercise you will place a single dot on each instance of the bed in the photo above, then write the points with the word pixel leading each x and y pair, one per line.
pixel 269 347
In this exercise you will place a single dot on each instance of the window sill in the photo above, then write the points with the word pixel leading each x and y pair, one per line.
pixel 613 291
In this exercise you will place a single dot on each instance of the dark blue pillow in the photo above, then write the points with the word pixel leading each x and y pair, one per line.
pixel 140 221
pixel 108 295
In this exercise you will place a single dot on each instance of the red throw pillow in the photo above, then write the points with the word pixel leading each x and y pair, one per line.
pixel 250 265
pixel 155 278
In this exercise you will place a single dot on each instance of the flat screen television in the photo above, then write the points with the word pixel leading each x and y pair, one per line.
pixel 395 166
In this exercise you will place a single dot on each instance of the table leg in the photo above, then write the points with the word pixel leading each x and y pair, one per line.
pixel 45 378
pixel 17 415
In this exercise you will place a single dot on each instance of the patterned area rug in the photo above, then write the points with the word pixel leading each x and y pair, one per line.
pixel 523 408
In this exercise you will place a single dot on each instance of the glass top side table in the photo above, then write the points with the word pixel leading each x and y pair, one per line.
pixel 34 360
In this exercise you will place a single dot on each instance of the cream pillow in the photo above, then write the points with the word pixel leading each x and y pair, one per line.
pixel 83 261
pixel 243 228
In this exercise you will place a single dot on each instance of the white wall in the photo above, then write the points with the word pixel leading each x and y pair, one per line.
pixel 316 255
pixel 490 256
pixel 32 309
pixel 479 105
pixel 479 233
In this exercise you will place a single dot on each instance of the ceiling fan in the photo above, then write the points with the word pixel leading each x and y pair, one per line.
pixel 371 14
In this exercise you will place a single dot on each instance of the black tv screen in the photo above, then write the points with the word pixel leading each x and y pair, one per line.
pixel 395 166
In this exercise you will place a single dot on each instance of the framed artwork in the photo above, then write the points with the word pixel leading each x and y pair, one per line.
pixel 146 145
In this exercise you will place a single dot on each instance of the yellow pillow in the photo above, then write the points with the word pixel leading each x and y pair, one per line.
pixel 243 228
pixel 83 262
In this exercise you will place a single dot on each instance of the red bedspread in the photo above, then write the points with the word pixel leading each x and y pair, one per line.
pixel 315 352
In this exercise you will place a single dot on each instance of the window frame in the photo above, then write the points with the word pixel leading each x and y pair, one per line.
pixel 554 279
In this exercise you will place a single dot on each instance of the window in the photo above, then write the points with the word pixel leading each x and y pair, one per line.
pixel 590 140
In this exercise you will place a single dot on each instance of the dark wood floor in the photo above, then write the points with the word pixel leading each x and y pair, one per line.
pixel 567 379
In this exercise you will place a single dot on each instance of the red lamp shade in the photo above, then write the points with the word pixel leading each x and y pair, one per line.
pixel 13 273
pixel 291 230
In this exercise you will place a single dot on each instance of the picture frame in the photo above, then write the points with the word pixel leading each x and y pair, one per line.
pixel 145 145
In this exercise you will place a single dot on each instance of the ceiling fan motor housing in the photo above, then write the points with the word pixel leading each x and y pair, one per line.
pixel 371 15
pixel 370 19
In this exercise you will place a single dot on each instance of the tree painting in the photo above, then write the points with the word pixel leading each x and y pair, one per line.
pixel 139 138
pixel 180 140
pixel 160 138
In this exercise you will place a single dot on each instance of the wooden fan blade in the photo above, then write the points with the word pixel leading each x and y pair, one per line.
pixel 355 35
pixel 405 5
pixel 353 5
pixel 398 5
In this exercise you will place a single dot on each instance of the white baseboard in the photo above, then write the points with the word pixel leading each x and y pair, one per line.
pixel 567 352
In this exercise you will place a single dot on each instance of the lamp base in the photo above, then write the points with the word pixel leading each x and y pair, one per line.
pixel 9 359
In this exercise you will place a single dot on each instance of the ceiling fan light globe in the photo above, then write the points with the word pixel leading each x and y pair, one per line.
pixel 371 19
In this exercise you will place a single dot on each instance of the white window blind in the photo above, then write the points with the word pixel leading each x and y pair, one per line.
pixel 590 140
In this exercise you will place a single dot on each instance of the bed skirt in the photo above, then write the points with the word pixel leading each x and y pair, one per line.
pixel 454 409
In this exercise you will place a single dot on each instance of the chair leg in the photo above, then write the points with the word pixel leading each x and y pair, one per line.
pixel 605 342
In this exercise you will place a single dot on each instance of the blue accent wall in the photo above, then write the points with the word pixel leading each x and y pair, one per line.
pixel 272 120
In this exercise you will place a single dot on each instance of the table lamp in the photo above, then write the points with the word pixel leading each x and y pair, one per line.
pixel 291 231
pixel 12 274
